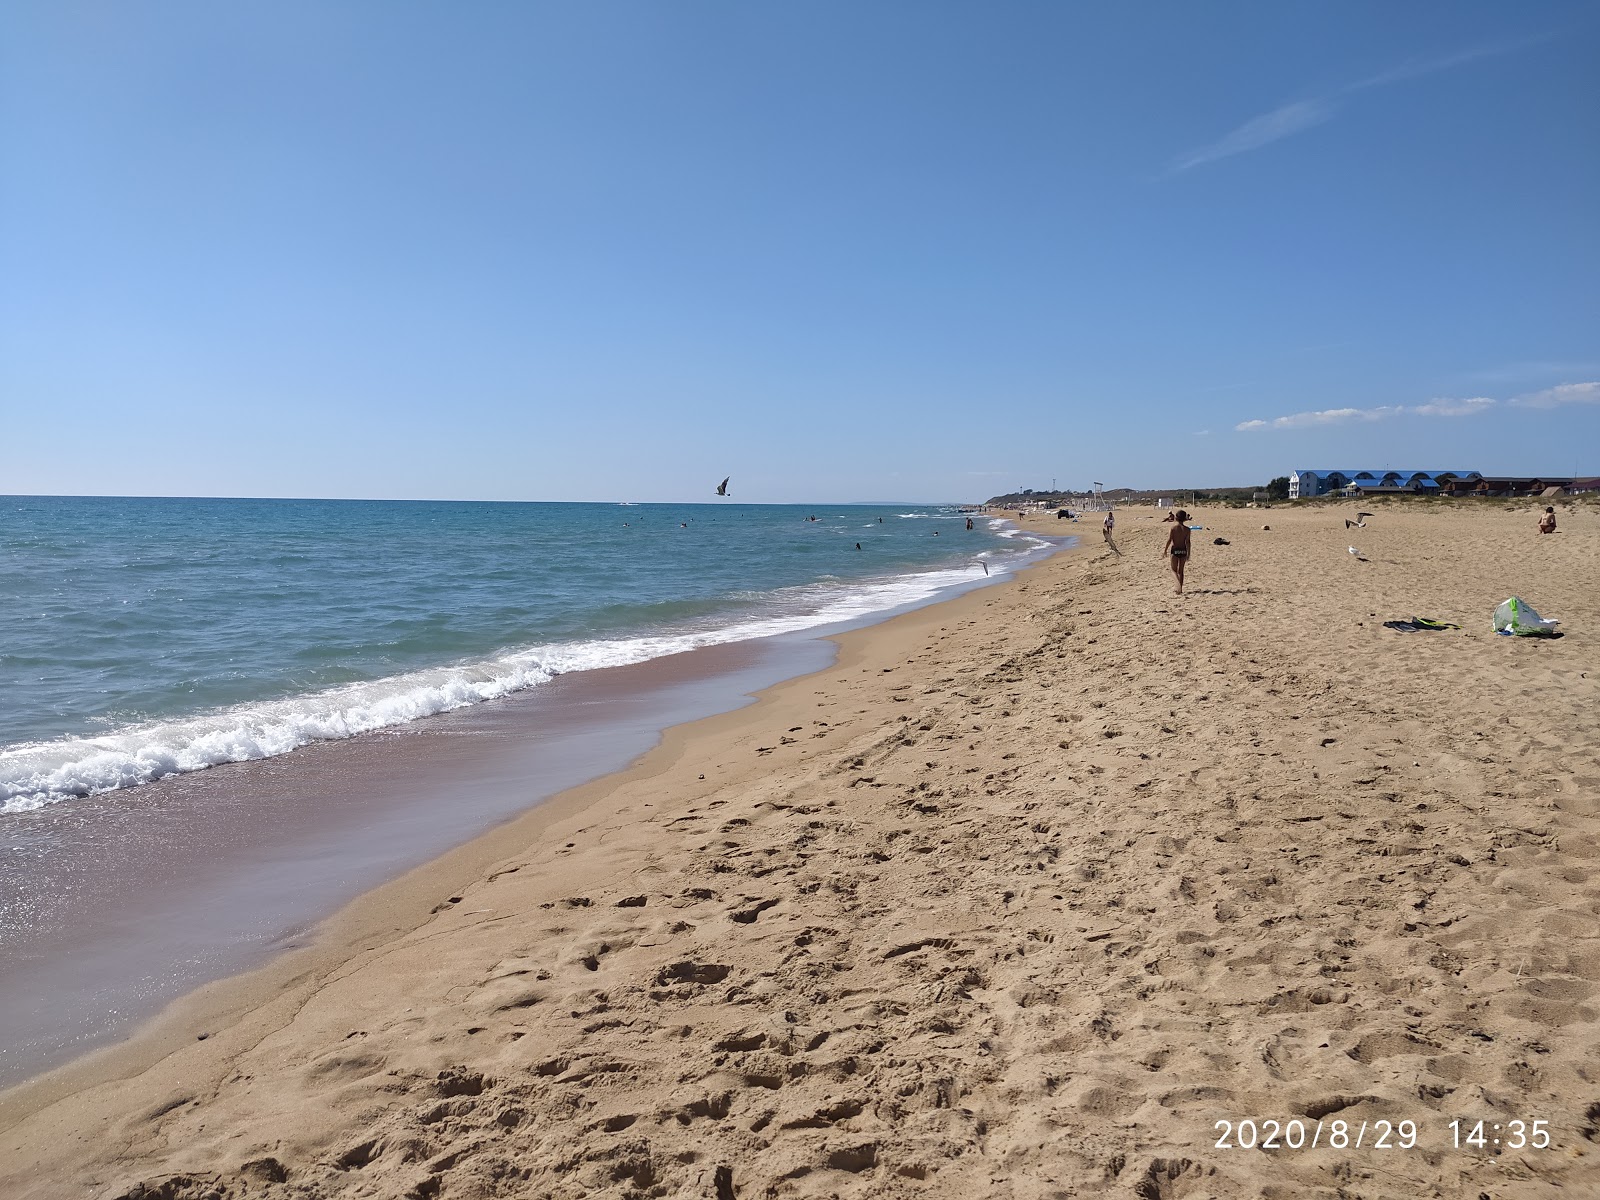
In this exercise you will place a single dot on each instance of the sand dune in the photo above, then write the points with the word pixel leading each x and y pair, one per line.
pixel 1019 899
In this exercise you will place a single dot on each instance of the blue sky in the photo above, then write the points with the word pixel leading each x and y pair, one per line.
pixel 842 251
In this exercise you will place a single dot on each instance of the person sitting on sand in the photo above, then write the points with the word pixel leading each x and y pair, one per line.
pixel 1547 523
pixel 1177 547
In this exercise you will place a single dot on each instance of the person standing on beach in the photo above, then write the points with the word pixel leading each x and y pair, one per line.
pixel 1547 523
pixel 1110 521
pixel 1177 547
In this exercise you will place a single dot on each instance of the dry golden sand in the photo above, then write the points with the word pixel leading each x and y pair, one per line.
pixel 1019 899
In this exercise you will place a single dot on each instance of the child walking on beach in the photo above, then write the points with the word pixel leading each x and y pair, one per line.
pixel 1177 547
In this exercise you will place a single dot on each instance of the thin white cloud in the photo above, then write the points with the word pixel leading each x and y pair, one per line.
pixel 1413 68
pixel 1259 131
pixel 1342 416
pixel 1300 115
pixel 1201 433
pixel 1452 408
pixel 1562 393
pixel 1326 416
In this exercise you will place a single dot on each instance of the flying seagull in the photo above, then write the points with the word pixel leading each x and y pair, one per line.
pixel 1359 523
pixel 722 488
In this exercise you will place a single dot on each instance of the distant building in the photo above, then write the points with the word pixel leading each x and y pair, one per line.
pixel 1505 485
pixel 1305 483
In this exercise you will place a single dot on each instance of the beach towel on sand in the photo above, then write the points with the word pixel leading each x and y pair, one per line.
pixel 1419 625
pixel 1515 616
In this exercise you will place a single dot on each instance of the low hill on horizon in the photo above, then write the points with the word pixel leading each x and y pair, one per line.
pixel 1067 499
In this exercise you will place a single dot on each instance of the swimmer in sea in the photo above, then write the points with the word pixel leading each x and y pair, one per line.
pixel 1177 547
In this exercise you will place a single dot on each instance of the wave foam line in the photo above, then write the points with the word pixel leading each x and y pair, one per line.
pixel 34 775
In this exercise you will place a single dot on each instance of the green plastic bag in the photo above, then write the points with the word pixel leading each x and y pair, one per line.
pixel 1516 617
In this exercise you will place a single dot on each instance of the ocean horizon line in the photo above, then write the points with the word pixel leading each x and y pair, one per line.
pixel 731 500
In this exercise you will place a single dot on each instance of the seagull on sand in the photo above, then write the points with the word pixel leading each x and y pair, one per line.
pixel 1360 557
pixel 722 488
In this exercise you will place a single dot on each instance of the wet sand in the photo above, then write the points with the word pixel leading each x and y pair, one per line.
pixel 128 900
pixel 1019 897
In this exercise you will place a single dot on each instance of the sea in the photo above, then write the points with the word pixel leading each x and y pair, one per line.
pixel 141 638
pixel 221 718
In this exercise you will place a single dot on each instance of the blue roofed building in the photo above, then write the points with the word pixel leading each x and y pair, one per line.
pixel 1306 483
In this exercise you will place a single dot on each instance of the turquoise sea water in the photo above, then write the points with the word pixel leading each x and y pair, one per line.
pixel 147 637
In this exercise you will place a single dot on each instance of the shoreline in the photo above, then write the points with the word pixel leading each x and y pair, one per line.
pixel 47 766
pixel 207 875
pixel 1026 891
pixel 710 681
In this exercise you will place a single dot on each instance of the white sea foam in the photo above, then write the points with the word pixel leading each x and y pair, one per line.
pixel 1007 530
pixel 33 775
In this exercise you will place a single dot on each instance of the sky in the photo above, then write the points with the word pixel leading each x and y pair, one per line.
pixel 895 250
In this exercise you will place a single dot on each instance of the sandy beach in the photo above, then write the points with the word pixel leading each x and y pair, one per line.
pixel 1021 897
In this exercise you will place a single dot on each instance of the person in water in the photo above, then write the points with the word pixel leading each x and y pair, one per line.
pixel 1547 523
pixel 1177 547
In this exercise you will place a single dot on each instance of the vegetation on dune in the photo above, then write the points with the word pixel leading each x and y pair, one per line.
pixel 1067 498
